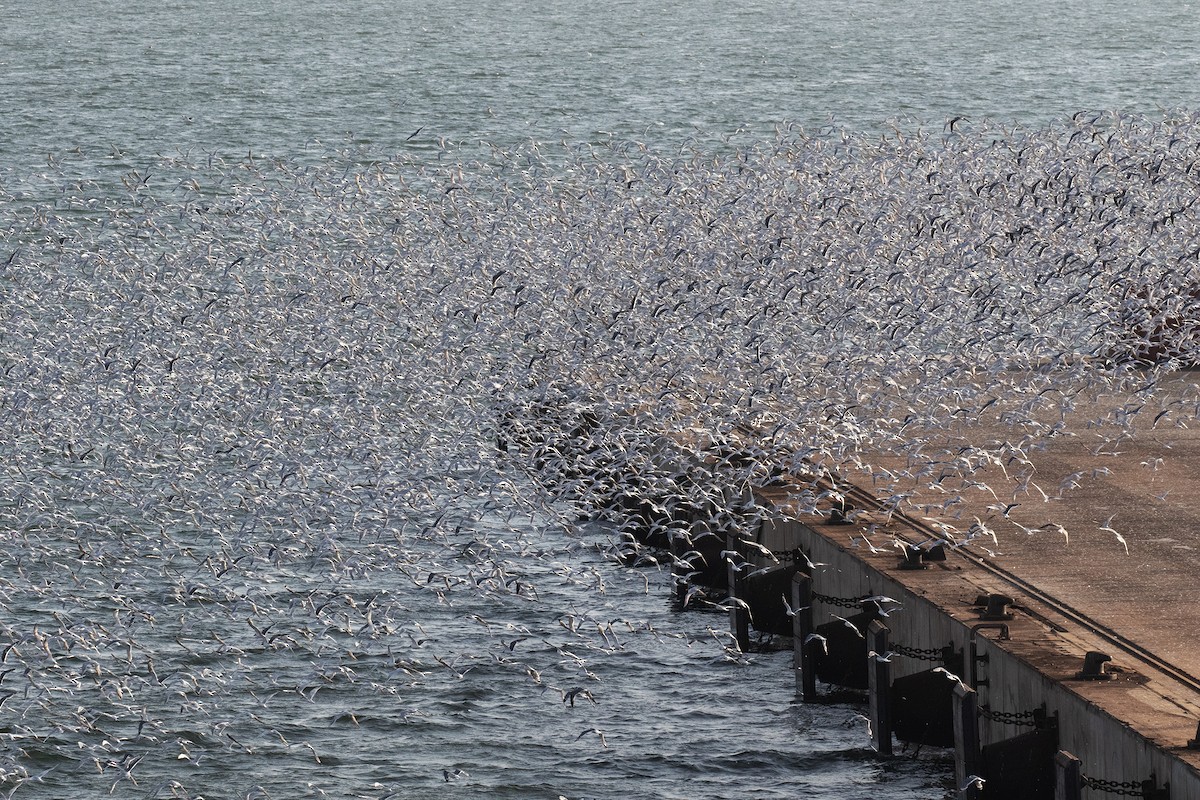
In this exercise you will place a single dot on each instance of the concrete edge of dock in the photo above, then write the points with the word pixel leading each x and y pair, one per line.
pixel 1128 719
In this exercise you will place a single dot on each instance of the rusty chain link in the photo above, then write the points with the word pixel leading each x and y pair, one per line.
pixel 1125 788
pixel 921 653
pixel 1029 718
pixel 841 602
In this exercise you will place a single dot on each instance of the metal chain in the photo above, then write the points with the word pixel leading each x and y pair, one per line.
pixel 1126 788
pixel 922 653
pixel 1010 717
pixel 843 602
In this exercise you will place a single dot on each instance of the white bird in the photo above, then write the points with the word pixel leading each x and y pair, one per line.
pixel 598 732
pixel 950 676
pixel 1057 527
pixel 1107 526
pixel 848 624
pixel 859 719
pixel 972 782
pixel 576 691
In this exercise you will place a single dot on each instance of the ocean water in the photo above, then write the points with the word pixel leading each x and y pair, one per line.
pixel 257 541
pixel 275 77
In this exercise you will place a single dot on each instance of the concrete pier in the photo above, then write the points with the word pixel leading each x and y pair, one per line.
pixel 1134 723
pixel 1031 595
pixel 1063 632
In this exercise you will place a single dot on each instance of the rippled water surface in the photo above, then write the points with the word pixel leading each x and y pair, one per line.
pixel 257 543
pixel 146 77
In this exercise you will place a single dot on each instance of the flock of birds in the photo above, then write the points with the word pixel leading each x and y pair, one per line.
pixel 250 408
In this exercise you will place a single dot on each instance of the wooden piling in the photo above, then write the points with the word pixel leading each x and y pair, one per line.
pixel 966 736
pixel 802 628
pixel 1068 777
pixel 739 615
pixel 879 686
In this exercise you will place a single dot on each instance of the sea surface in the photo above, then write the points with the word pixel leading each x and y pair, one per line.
pixel 256 542
pixel 276 78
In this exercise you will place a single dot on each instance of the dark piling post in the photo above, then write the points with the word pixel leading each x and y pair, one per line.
pixel 879 686
pixel 966 739
pixel 679 543
pixel 1068 777
pixel 802 628
pixel 739 614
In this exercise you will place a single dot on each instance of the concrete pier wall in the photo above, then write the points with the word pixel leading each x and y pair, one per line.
pixel 1128 728
pixel 1130 733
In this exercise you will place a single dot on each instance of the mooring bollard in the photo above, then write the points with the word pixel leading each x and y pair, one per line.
pixel 802 628
pixel 1068 783
pixel 966 739
pixel 879 684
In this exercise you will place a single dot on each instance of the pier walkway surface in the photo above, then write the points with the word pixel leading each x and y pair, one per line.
pixel 1130 508
pixel 1094 533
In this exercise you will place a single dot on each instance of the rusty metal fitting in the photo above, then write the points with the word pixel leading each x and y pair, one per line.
pixel 1093 667
pixel 995 607
pixel 913 558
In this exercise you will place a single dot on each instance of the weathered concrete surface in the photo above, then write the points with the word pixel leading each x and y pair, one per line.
pixel 1127 728
pixel 1111 480
pixel 1145 487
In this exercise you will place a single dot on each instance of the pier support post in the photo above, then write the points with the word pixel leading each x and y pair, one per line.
pixel 802 628
pixel 1068 781
pixel 879 686
pixel 679 543
pixel 739 615
pixel 966 738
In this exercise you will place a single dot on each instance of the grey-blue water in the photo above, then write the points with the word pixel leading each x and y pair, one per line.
pixel 256 541
pixel 275 77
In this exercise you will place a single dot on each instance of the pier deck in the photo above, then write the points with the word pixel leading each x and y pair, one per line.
pixel 1073 593
pixel 1146 488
